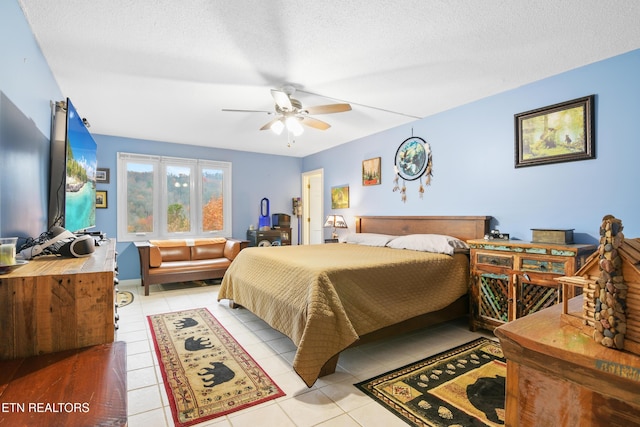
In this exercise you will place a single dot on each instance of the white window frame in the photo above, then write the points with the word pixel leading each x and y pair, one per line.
pixel 160 164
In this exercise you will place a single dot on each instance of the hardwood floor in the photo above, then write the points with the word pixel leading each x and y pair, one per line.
pixel 83 387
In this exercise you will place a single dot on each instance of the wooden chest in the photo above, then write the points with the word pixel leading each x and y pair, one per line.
pixel 557 376
pixel 559 237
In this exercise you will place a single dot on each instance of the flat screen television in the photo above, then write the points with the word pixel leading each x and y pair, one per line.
pixel 72 191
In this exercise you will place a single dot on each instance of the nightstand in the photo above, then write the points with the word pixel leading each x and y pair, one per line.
pixel 513 278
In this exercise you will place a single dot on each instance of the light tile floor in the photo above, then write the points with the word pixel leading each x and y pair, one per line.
pixel 332 401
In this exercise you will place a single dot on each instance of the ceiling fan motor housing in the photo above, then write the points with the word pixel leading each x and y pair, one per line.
pixel 295 104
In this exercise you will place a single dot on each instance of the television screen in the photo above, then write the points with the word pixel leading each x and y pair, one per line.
pixel 72 194
pixel 80 185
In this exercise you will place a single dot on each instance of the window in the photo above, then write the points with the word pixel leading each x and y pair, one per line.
pixel 168 197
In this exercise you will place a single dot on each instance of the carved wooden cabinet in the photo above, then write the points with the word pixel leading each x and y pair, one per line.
pixel 53 304
pixel 513 278
pixel 559 376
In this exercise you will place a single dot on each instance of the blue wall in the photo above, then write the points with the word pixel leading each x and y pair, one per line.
pixel 25 77
pixel 472 145
pixel 26 87
pixel 473 159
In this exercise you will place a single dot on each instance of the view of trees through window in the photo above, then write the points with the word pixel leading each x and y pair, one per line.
pixel 178 198
pixel 189 194
pixel 212 195
pixel 139 198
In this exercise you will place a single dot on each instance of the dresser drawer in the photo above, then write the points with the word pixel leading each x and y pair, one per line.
pixel 494 260
pixel 544 266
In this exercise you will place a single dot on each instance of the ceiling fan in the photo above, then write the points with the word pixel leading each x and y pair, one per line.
pixel 291 115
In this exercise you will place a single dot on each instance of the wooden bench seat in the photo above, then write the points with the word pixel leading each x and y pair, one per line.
pixel 184 260
pixel 80 387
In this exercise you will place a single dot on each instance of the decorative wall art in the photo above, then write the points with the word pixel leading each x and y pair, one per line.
pixel 558 133
pixel 101 199
pixel 371 174
pixel 413 161
pixel 102 175
pixel 340 197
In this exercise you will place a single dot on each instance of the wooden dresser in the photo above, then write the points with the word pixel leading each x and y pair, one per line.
pixel 558 376
pixel 53 304
pixel 514 278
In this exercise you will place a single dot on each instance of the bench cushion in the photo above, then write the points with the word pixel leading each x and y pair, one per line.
pixel 207 251
pixel 175 253
pixel 155 257
pixel 190 266
pixel 185 250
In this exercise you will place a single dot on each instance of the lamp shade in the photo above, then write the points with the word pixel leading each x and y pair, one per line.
pixel 335 221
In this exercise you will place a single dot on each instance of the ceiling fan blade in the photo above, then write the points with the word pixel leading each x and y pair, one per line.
pixel 246 111
pixel 315 123
pixel 268 125
pixel 282 99
pixel 328 109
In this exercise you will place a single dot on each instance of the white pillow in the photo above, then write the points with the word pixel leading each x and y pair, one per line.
pixel 437 243
pixel 367 239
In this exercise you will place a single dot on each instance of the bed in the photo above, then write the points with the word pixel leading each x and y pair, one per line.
pixel 329 297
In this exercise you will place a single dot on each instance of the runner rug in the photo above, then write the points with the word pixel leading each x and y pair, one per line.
pixel 206 373
pixel 464 386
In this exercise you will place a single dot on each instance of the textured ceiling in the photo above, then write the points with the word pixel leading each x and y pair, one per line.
pixel 164 70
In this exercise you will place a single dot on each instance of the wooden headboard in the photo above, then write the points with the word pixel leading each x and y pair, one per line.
pixel 462 227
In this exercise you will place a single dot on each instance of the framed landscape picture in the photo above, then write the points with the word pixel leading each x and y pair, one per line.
pixel 558 133
pixel 371 174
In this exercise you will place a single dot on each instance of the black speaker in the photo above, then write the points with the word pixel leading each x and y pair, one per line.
pixel 79 247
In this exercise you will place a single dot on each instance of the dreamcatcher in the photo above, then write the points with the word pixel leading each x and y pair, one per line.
pixel 413 161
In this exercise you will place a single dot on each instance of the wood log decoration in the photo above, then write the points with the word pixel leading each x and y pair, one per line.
pixel 610 294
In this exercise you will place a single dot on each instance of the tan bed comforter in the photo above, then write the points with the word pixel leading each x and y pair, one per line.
pixel 324 297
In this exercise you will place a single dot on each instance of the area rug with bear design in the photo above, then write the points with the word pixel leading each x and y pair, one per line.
pixel 206 373
pixel 464 386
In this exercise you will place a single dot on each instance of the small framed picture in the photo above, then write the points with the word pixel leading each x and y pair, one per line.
pixel 102 175
pixel 340 197
pixel 371 172
pixel 101 199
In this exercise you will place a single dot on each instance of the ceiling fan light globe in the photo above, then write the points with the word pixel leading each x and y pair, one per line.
pixel 294 126
pixel 277 127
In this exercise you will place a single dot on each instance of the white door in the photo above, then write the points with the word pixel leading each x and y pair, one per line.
pixel 312 210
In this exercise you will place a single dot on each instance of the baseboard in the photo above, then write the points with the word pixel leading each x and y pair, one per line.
pixel 130 282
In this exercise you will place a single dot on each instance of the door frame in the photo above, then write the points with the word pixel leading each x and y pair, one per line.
pixel 306 205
